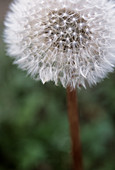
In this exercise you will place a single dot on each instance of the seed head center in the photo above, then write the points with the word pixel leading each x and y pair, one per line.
pixel 66 30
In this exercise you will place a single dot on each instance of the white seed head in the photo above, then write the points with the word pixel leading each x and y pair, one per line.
pixel 67 41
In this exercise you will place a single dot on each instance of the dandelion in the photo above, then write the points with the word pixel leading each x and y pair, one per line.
pixel 67 41
pixel 71 42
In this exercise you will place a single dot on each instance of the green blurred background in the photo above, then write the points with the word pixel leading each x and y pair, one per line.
pixel 34 130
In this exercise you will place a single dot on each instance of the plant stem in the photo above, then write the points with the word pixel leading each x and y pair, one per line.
pixel 74 128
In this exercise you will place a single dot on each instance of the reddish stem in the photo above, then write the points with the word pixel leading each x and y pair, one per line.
pixel 74 128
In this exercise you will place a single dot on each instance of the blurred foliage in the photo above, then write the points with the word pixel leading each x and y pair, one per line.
pixel 34 131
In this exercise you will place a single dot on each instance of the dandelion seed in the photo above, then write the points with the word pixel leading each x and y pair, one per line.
pixel 79 36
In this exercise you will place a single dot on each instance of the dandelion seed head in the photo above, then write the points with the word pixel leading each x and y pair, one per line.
pixel 67 41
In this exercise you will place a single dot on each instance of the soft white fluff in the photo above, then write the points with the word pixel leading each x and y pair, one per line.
pixel 67 41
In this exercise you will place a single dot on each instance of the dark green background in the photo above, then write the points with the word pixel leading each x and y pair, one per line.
pixel 34 131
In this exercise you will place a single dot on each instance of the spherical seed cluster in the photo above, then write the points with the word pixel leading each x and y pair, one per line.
pixel 67 41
